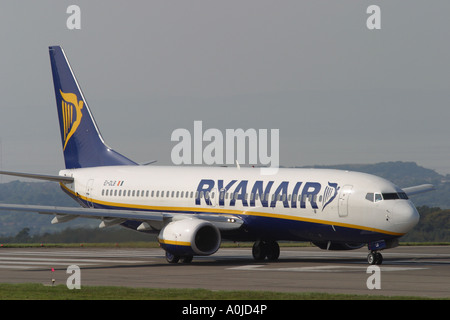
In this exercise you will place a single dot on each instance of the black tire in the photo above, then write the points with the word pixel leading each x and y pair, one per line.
pixel 273 251
pixel 379 258
pixel 187 259
pixel 171 258
pixel 259 250
pixel 371 258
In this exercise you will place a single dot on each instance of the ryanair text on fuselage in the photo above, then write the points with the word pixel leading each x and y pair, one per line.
pixel 261 192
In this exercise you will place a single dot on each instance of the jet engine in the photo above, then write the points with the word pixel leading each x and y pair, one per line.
pixel 191 236
pixel 330 245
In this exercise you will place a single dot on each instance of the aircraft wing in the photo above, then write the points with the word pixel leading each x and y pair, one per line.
pixel 418 189
pixel 150 220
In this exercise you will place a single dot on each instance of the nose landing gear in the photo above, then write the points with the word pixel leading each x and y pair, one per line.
pixel 375 257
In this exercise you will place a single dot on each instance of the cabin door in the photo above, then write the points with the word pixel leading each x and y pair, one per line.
pixel 344 196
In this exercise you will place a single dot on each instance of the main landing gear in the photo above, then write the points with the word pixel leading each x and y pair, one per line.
pixel 171 258
pixel 375 257
pixel 266 249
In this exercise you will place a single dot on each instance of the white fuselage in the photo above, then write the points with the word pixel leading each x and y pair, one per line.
pixel 333 201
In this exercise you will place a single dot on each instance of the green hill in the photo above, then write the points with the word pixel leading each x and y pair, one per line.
pixel 37 193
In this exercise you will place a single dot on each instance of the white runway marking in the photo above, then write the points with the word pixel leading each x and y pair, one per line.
pixel 26 259
pixel 4 259
pixel 253 267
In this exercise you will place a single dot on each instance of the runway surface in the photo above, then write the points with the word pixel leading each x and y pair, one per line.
pixel 406 271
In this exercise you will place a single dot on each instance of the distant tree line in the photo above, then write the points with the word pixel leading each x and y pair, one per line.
pixel 80 235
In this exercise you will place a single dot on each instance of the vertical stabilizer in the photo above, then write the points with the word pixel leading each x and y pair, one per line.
pixel 82 143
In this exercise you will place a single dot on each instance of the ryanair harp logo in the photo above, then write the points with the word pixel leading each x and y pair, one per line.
pixel 71 115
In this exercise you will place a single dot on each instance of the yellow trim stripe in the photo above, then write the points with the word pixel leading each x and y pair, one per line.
pixel 176 243
pixel 230 211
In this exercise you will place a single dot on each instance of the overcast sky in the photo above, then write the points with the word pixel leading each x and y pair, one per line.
pixel 337 91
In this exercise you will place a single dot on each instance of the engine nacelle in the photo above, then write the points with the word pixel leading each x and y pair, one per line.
pixel 338 245
pixel 190 237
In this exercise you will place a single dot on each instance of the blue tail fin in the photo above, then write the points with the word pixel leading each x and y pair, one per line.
pixel 82 143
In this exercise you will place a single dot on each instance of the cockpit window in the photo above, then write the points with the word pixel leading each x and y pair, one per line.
pixel 378 197
pixel 375 197
pixel 395 195
pixel 403 195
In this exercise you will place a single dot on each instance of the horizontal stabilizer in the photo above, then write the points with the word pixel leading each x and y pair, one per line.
pixel 39 176
pixel 419 189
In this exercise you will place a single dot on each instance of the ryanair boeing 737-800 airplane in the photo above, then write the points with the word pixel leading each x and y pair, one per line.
pixel 193 208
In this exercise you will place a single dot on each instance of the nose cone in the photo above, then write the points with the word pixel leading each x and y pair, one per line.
pixel 405 216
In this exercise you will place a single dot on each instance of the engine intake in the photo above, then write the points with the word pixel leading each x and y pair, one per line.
pixel 190 237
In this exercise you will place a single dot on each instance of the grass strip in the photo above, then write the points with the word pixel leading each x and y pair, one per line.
pixel 36 291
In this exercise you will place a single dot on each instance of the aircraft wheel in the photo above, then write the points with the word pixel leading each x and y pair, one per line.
pixel 375 257
pixel 371 258
pixel 259 250
pixel 187 259
pixel 171 258
pixel 379 258
pixel 273 251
